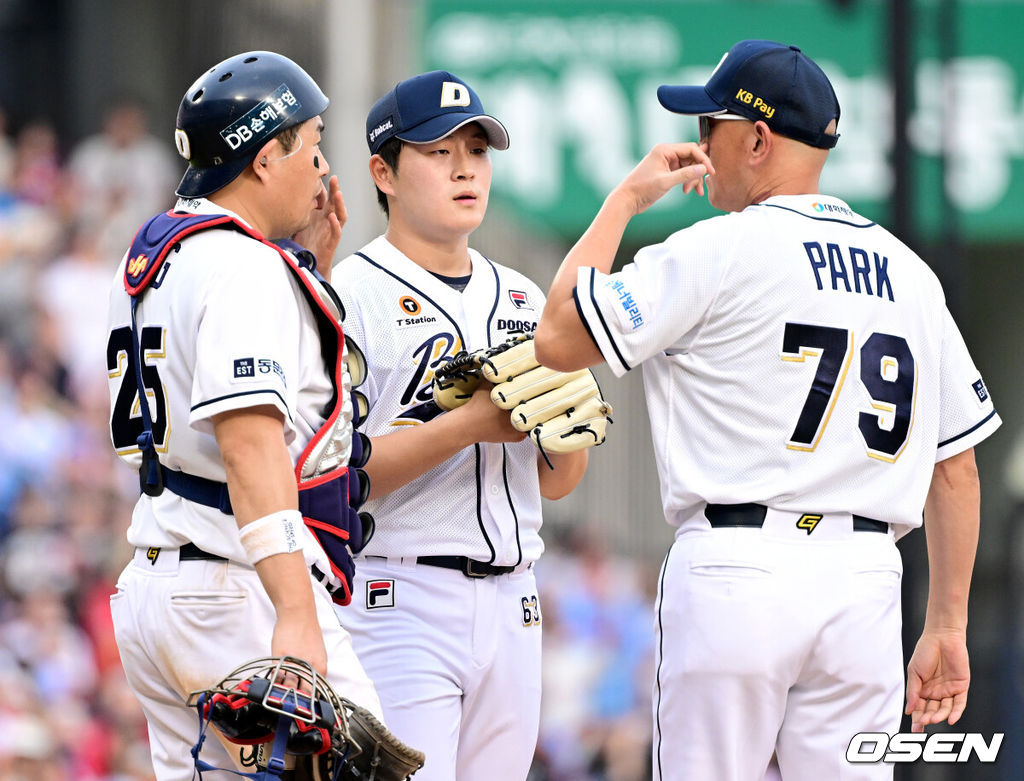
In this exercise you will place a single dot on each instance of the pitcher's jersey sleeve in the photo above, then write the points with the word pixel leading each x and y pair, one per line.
pixel 966 413
pixel 657 301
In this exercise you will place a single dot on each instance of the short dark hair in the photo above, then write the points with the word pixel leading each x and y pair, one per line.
pixel 389 153
pixel 289 136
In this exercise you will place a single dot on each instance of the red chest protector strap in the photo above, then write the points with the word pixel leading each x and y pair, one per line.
pixel 328 499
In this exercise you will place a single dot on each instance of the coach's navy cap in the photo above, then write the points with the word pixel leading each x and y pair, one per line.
pixel 427 108
pixel 764 80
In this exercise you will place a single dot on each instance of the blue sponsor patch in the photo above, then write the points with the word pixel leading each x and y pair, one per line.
pixel 627 302
pixel 981 390
pixel 245 368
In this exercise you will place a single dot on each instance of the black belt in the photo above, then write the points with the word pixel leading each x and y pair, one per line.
pixel 471 568
pixel 752 515
pixel 191 552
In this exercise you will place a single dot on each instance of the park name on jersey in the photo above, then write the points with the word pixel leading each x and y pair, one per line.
pixel 839 267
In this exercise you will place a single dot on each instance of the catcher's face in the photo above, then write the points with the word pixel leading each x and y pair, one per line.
pixel 441 189
pixel 298 178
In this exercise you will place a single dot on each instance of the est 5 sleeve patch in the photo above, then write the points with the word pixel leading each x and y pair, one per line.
pixel 250 369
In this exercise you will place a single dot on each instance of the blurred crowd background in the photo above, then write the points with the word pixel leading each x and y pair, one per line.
pixel 88 91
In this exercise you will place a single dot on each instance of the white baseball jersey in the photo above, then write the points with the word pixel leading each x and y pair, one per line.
pixel 795 355
pixel 199 361
pixel 223 326
pixel 467 686
pixel 484 502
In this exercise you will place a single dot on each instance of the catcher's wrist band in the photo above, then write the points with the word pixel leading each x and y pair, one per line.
pixel 271 534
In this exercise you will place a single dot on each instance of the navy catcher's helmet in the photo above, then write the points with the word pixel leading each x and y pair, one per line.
pixel 233 109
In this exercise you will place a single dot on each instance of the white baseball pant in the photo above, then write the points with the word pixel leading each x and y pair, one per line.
pixel 456 664
pixel 773 639
pixel 183 626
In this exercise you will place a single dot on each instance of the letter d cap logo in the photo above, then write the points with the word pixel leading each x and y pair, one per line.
pixel 454 94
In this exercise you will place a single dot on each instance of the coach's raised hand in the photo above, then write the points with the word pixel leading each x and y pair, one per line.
pixel 664 167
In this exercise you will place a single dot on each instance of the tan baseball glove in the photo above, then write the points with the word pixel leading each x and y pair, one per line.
pixel 562 411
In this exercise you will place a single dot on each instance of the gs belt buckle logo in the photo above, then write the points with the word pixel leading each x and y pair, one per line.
pixel 808 522
pixel 152 554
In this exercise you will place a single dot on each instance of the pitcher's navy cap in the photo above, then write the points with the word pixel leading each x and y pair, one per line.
pixel 427 108
pixel 764 80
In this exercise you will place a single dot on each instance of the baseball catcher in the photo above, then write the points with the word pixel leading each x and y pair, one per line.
pixel 296 727
pixel 562 411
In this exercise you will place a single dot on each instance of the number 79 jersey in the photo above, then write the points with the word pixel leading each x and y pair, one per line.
pixel 796 355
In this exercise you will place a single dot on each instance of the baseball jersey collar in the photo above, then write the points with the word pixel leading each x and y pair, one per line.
pixel 399 261
pixel 205 206
pixel 815 206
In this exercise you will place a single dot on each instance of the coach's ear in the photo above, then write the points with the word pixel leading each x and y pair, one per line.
pixel 383 175
pixel 760 142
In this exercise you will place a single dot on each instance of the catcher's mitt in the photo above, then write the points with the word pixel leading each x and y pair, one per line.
pixel 306 729
pixel 382 756
pixel 562 411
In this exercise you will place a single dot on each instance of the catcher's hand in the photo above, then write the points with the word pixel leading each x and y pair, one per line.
pixel 562 411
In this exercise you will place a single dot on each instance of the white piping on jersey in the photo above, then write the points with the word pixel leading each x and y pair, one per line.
pixel 819 219
pixel 244 393
pixel 600 317
pixel 975 427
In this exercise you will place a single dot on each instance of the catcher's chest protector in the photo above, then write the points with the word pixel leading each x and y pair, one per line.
pixel 328 497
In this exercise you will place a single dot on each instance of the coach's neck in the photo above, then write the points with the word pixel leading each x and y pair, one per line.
pixel 778 165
